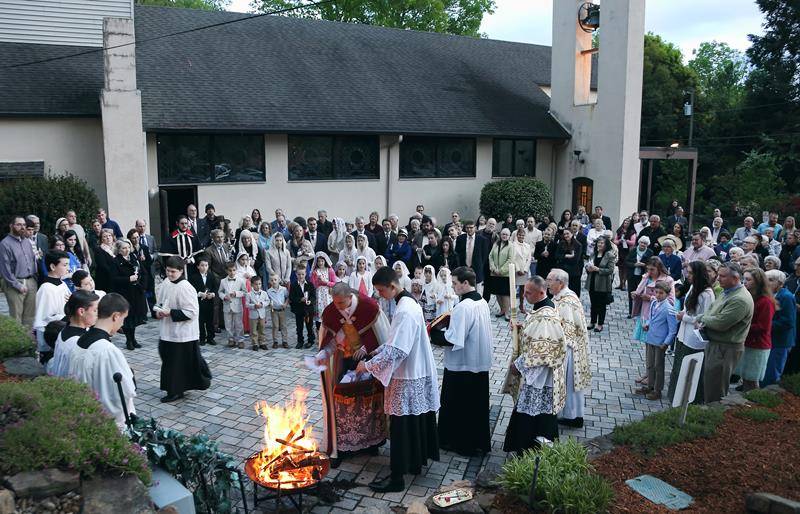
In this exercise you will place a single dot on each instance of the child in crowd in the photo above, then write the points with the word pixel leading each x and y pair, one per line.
pixel 257 305
pixel 419 273
pixel 278 302
pixel 417 286
pixel 341 273
pixel 244 269
pixel 446 298
pixel 81 310
pixel 206 285
pixel 50 299
pixel 322 278
pixel 430 293
pixel 81 279
pixel 302 298
pixel 661 328
pixel 231 290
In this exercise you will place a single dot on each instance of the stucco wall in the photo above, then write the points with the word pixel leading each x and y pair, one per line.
pixel 64 144
pixel 349 198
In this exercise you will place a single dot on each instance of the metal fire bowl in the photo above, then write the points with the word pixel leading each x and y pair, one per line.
pixel 250 470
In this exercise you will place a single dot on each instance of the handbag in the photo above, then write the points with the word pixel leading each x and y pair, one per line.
pixel 609 298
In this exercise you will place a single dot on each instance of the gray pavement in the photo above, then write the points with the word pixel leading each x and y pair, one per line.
pixel 242 377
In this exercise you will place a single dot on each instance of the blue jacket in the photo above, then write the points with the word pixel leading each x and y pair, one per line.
pixel 398 252
pixel 784 323
pixel 674 265
pixel 662 325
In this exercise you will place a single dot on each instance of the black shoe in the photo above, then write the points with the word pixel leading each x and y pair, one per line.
pixel 217 330
pixel 590 327
pixel 739 388
pixel 308 344
pixel 211 342
pixel 574 423
pixel 735 379
pixel 388 485
pixel 129 345
pixel 299 345
pixel 171 398
pixel 136 344
pixel 335 463
pixel 202 343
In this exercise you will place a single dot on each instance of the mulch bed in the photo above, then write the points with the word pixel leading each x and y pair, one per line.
pixel 5 377
pixel 744 456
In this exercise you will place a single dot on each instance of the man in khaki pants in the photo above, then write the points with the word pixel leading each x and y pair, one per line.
pixel 18 271
pixel 726 324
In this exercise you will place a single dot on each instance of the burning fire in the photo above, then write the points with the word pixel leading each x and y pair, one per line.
pixel 289 459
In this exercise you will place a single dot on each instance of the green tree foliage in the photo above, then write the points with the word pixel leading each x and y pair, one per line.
pixel 753 186
pixel 519 196
pixel 462 17
pixel 49 198
pixel 206 5
pixel 665 80
pixel 773 98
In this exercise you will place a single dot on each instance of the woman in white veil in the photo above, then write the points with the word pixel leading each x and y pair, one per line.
pixel 336 239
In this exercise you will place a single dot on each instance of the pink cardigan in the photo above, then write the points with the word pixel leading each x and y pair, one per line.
pixel 317 282
pixel 642 308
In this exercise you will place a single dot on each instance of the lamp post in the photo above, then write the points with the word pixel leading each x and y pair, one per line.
pixel 688 110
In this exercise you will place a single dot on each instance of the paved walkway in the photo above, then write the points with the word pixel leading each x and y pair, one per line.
pixel 242 377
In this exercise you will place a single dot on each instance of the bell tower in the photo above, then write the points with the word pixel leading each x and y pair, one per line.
pixel 600 107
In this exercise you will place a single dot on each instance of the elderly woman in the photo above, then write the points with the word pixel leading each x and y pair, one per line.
pixel 521 254
pixel 784 327
pixel 399 250
pixel 671 260
pixel 705 233
pixel 246 223
pixel 597 231
pixel 128 279
pixel 599 279
pixel 697 301
pixel 772 262
pixel 735 254
pixel 753 364
pixel 336 238
pixel 497 283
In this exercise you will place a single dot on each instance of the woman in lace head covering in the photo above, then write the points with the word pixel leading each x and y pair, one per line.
pixel 337 237
pixel 348 253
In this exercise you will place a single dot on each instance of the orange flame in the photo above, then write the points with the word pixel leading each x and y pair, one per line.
pixel 287 459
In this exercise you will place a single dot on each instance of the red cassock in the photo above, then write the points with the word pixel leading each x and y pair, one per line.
pixel 353 412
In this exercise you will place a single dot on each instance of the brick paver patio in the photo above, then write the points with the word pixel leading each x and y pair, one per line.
pixel 241 377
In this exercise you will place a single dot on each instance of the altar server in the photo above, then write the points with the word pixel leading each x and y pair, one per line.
pixel 50 299
pixel 464 415
pixel 405 366
pixel 81 311
pixel 182 366
pixel 96 359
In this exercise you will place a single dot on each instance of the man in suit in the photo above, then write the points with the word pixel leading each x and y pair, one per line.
pixel 598 210
pixel 191 215
pixel 40 240
pixel 361 229
pixel 324 225
pixel 678 217
pixel 472 251
pixel 218 254
pixel 385 237
pixel 744 232
pixel 319 241
pixel 145 239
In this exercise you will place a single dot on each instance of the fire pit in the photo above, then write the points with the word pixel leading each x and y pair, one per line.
pixel 289 463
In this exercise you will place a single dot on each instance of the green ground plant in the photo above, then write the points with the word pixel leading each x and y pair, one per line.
pixel 791 383
pixel 663 429
pixel 765 398
pixel 758 414
pixel 566 483
pixel 14 339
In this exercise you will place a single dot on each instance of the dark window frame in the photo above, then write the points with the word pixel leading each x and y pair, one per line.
pixel 437 174
pixel 514 141
pixel 337 173
pixel 211 159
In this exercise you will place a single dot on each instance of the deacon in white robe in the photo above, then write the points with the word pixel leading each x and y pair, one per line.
pixel 95 359
pixel 535 378
pixel 464 414
pixel 182 365
pixel 578 372
pixel 405 366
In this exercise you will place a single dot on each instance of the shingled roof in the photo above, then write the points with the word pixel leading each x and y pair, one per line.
pixel 278 74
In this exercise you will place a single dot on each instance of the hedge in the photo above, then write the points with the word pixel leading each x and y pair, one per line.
pixel 50 198
pixel 14 339
pixel 522 197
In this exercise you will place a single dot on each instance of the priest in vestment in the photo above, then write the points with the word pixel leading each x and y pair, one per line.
pixel 182 365
pixel 352 328
pixel 464 414
pixel 535 376
pixel 405 366
pixel 578 372
pixel 96 359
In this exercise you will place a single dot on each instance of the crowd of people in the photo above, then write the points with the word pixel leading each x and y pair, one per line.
pixel 373 295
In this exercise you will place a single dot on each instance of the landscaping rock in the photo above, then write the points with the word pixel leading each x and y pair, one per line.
pixel 733 399
pixel 485 500
pixel 765 503
pixel 775 388
pixel 40 484
pixel 486 478
pixel 417 507
pixel 6 502
pixel 24 367
pixel 126 494
pixel 599 446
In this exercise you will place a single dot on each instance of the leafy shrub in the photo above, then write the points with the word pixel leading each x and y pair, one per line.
pixel 566 481
pixel 59 423
pixel 791 383
pixel 195 461
pixel 49 197
pixel 765 398
pixel 14 338
pixel 521 197
pixel 663 428
pixel 757 414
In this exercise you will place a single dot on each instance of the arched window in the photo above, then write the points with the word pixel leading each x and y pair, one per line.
pixel 582 189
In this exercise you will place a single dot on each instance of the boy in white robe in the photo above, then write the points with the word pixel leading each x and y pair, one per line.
pixel 464 416
pixel 50 299
pixel 81 310
pixel 96 359
pixel 405 366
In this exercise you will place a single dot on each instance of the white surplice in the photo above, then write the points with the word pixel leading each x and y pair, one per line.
pixel 470 333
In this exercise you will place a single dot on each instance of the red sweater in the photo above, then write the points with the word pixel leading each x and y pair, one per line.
pixel 760 335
